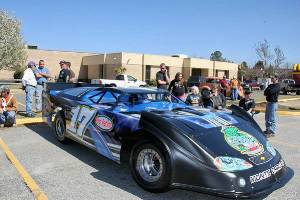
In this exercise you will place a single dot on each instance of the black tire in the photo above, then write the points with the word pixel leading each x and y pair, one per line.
pixel 161 166
pixel 60 128
pixel 298 92
pixel 284 91
pixel 113 85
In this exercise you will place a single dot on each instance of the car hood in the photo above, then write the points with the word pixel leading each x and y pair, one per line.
pixel 219 133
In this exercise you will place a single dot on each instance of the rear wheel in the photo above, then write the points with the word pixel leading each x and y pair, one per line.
pixel 284 91
pixel 150 167
pixel 60 128
pixel 298 92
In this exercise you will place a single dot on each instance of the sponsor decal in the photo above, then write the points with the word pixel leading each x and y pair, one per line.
pixel 267 173
pixel 104 123
pixel 242 141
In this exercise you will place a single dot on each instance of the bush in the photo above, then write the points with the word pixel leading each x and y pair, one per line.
pixel 18 74
pixel 152 82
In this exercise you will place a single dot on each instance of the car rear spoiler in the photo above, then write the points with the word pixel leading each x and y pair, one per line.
pixel 62 86
pixel 49 106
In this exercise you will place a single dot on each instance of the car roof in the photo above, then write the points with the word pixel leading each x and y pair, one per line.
pixel 132 90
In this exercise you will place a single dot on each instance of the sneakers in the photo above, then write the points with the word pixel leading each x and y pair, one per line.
pixel 30 115
pixel 268 134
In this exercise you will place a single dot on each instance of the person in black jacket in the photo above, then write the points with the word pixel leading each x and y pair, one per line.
pixel 213 99
pixel 247 103
pixel 178 86
pixel 271 93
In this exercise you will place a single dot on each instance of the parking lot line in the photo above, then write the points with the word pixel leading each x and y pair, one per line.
pixel 31 184
pixel 285 143
pixel 22 104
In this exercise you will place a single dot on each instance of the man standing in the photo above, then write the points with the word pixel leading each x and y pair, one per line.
pixel 271 93
pixel 223 84
pixel 8 108
pixel 29 82
pixel 72 74
pixel 162 78
pixel 64 74
pixel 234 88
pixel 42 74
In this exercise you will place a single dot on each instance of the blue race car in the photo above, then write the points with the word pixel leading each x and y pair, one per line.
pixel 167 143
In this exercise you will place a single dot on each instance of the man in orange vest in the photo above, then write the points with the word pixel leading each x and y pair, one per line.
pixel 8 107
pixel 234 88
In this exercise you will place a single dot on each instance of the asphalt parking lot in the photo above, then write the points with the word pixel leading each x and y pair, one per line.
pixel 74 172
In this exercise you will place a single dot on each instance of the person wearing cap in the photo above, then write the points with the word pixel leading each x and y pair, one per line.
pixel 64 74
pixel 8 107
pixel 42 74
pixel 271 93
pixel 247 103
pixel 29 83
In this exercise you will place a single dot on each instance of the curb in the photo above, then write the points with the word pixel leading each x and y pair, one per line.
pixel 24 121
pixel 281 100
pixel 281 112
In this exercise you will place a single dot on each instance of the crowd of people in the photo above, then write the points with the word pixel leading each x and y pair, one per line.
pixel 215 97
pixel 35 77
pixel 33 81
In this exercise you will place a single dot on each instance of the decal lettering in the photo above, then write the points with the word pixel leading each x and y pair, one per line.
pixel 267 173
pixel 104 123
pixel 81 117
pixel 260 176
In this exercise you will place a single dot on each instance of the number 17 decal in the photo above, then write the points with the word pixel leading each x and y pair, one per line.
pixel 81 117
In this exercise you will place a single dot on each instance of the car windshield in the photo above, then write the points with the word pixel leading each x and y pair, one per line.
pixel 137 102
pixel 138 98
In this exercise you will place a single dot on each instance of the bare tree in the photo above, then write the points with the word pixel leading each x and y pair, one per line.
pixel 263 52
pixel 279 57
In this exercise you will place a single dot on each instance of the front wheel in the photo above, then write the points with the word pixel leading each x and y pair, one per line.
pixel 60 128
pixel 298 92
pixel 150 167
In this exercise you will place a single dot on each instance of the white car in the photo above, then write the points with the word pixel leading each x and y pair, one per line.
pixel 122 80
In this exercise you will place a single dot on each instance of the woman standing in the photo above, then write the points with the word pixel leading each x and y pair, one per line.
pixel 178 86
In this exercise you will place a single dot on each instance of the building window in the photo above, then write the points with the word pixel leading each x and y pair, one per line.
pixel 148 73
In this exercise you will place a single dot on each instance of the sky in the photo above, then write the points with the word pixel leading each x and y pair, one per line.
pixel 192 27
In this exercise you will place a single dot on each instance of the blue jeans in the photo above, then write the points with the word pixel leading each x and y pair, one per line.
pixel 271 117
pixel 234 94
pixel 8 118
pixel 30 90
pixel 38 97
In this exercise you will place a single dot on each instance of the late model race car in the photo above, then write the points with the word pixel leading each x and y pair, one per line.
pixel 168 144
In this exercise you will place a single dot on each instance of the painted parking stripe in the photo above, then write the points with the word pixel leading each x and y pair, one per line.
pixel 31 184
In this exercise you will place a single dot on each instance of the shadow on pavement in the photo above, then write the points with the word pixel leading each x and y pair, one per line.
pixel 111 172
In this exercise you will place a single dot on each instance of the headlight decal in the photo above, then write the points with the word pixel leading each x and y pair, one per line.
pixel 271 149
pixel 225 163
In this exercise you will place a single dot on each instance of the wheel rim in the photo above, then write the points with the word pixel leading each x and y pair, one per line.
pixel 149 165
pixel 60 128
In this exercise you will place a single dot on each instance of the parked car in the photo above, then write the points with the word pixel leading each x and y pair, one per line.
pixel 252 84
pixel 121 80
pixel 167 143
pixel 195 81
pixel 289 85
